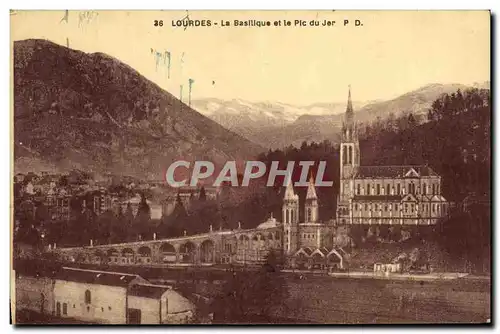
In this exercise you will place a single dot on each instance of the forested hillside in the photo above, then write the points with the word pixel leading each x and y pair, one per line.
pixel 455 141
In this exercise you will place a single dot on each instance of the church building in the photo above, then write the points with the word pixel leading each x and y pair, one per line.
pixel 308 243
pixel 403 195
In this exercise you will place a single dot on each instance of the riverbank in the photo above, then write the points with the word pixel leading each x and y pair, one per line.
pixel 391 276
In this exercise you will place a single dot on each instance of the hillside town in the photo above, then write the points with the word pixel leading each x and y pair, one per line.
pixel 224 180
pixel 389 205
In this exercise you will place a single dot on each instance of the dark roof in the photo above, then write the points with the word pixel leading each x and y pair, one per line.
pixel 378 198
pixel 46 179
pixel 307 250
pixel 95 277
pixel 36 268
pixel 324 250
pixel 392 171
pixel 147 291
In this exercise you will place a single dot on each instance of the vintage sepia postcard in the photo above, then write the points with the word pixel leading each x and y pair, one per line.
pixel 250 167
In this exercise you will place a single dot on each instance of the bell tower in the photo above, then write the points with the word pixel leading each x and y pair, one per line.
pixel 349 145
pixel 290 219
pixel 349 160
pixel 311 205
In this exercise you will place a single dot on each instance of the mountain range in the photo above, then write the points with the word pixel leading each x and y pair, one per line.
pixel 276 125
pixel 75 110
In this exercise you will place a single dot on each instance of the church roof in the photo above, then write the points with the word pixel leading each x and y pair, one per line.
pixel 311 190
pixel 290 193
pixel 270 223
pixel 147 290
pixel 306 250
pixel 95 277
pixel 394 171
pixel 349 110
pixel 377 198
pixel 402 198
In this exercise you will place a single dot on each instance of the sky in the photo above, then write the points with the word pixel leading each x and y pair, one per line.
pixel 391 53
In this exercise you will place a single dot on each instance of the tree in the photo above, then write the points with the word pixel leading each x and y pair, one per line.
pixel 412 122
pixel 63 181
pixel 174 224
pixel 119 229
pixel 141 226
pixel 395 233
pixel 203 195
pixel 105 223
pixel 129 215
pixel 357 234
pixel 384 232
pixel 143 212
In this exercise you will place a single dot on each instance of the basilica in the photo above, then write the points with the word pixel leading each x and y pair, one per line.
pixel 403 195
pixel 368 195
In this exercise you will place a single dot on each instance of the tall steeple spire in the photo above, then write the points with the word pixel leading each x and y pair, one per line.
pixel 349 111
pixel 290 193
pixel 311 205
pixel 311 190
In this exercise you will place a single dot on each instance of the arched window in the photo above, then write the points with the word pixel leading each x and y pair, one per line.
pixel 287 214
pixel 292 217
pixel 309 214
pixel 424 189
pixel 350 154
pixel 399 189
pixel 88 298
pixel 344 156
pixel 388 192
pixel 378 189
pixel 359 189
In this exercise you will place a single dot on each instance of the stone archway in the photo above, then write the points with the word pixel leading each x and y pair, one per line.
pixel 128 255
pixel 168 254
pixel 80 258
pixel 261 240
pixel 112 255
pixel 144 255
pixel 270 240
pixel 99 256
pixel 318 261
pixel 244 242
pixel 187 252
pixel 207 251
pixel 301 261
pixel 334 261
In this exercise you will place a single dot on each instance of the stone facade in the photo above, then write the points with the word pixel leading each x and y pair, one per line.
pixel 101 297
pixel 402 195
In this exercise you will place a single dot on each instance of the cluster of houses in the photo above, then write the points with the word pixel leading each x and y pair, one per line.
pixel 48 189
